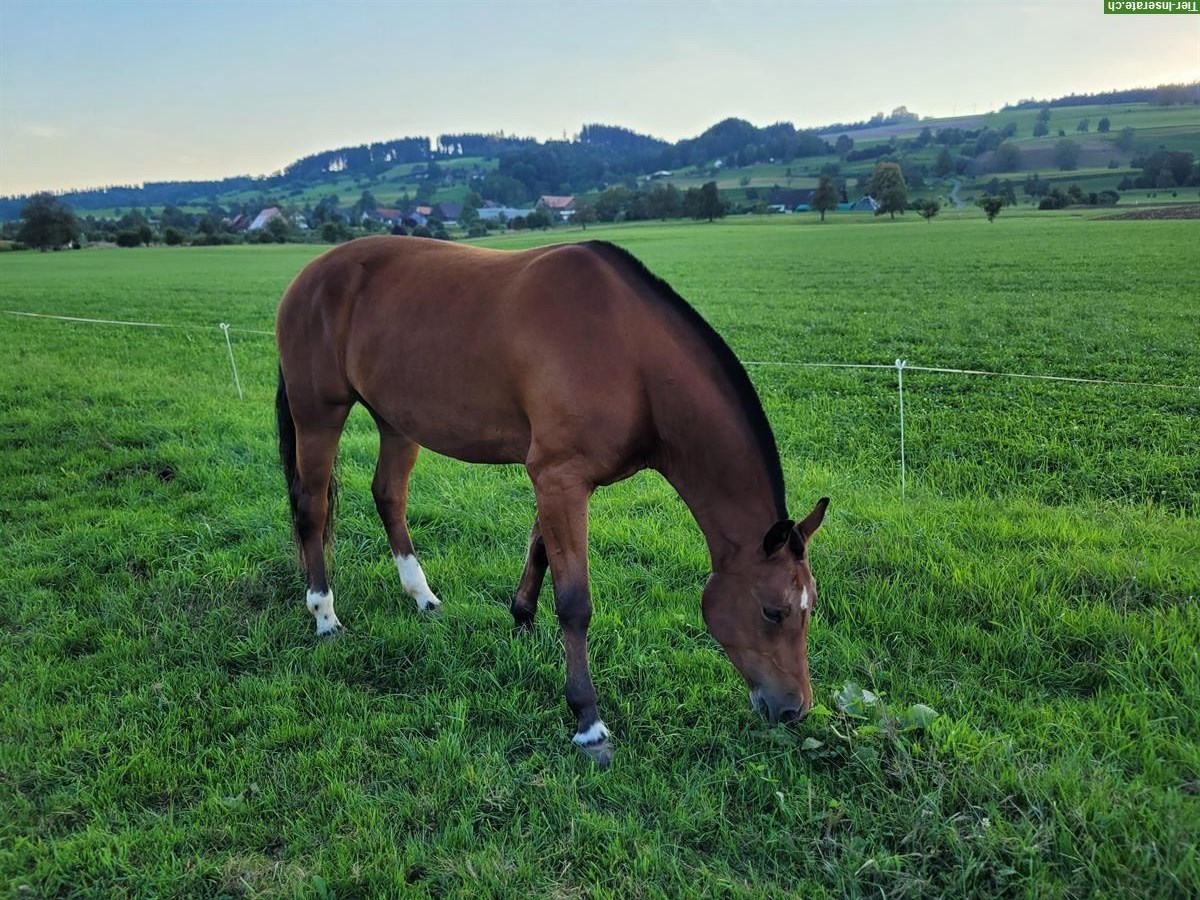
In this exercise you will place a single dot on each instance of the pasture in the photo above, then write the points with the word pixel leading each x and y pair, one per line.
pixel 171 727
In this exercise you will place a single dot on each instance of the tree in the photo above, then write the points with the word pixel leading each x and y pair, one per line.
pixel 1041 126
pixel 991 206
pixel 277 229
pixel 468 217
pixel 844 145
pixel 665 202
pixel 1082 127
pixel 366 203
pixel 585 213
pixel 825 198
pixel 1066 155
pixel 1125 140
pixel 1008 157
pixel 708 203
pixel 539 218
pixel 174 217
pixel 1103 125
pixel 172 236
pixel 888 188
pixel 612 203
pixel 944 165
pixel 48 224
pixel 928 209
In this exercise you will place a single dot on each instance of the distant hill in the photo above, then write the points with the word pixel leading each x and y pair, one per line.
pixel 516 170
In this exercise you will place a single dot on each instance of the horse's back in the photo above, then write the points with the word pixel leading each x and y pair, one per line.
pixel 479 354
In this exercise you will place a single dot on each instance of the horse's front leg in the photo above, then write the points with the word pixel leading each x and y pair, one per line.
pixel 562 516
pixel 525 601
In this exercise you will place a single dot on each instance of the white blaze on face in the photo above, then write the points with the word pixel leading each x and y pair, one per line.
pixel 805 600
pixel 412 579
pixel 321 606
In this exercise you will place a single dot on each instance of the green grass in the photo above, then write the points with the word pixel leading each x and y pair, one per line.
pixel 172 728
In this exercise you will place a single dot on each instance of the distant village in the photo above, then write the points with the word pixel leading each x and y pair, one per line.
pixel 558 209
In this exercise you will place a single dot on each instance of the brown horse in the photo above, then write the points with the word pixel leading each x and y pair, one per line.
pixel 579 363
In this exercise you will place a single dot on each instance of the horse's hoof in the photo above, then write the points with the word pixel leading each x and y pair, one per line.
pixel 596 742
pixel 601 752
pixel 330 632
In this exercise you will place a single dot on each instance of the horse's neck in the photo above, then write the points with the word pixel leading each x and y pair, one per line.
pixel 716 466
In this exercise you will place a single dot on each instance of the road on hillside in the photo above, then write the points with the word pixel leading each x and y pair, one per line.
pixel 958 204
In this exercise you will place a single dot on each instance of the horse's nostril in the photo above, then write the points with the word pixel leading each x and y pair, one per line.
pixel 789 715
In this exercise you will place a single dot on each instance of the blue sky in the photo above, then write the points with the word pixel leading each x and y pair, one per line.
pixel 96 92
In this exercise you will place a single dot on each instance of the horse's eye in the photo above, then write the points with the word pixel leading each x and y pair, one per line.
pixel 773 615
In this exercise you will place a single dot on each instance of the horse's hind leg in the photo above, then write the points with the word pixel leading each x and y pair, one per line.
pixel 524 605
pixel 316 450
pixel 397 456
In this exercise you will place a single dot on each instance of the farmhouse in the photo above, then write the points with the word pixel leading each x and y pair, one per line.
pixel 563 207
pixel 385 215
pixel 261 220
pixel 865 203
pixel 448 212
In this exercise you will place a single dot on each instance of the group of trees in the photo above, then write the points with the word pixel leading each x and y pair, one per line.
pixel 1166 169
pixel 48 224
pixel 1163 95
pixel 660 201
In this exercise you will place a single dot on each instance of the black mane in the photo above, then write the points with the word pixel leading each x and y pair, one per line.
pixel 729 363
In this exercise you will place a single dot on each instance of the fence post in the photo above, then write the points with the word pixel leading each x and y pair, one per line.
pixel 900 364
pixel 232 362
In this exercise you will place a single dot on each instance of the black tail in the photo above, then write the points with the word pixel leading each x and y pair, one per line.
pixel 287 457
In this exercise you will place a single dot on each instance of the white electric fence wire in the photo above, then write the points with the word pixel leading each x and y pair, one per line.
pixel 31 315
pixel 941 369
pixel 899 365
pixel 13 312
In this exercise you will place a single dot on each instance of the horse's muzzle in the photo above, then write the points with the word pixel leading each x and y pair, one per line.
pixel 774 710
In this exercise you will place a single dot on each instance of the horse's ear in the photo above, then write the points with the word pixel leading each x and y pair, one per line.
pixel 806 529
pixel 777 536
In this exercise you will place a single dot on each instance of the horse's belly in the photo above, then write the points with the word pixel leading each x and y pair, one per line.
pixel 478 445
pixel 457 426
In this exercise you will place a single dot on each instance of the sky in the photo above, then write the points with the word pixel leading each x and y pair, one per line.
pixel 103 92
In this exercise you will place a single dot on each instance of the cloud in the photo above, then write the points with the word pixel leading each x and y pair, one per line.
pixel 45 132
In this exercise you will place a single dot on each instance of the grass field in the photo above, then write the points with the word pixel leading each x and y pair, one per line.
pixel 171 727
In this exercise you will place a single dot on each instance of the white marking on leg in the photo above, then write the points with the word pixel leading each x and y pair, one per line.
pixel 805 602
pixel 412 578
pixel 321 606
pixel 596 734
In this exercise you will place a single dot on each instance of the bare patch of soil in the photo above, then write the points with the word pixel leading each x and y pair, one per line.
pixel 1174 211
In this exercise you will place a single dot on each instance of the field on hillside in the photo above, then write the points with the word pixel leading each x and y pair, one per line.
pixel 171 727
pixel 1172 128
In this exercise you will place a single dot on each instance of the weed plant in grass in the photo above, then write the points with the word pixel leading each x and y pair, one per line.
pixel 171 728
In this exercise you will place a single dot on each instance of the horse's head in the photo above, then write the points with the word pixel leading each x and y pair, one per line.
pixel 759 611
